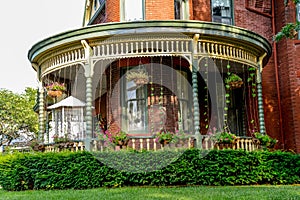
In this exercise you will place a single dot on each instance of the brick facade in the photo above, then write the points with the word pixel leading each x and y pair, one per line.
pixel 255 16
pixel 113 10
pixel 288 66
pixel 201 10
pixel 157 9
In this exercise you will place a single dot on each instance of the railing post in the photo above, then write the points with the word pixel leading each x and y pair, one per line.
pixel 195 92
pixel 41 113
pixel 88 72
pixel 260 97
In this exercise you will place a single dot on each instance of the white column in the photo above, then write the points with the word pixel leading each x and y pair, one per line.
pixel 88 72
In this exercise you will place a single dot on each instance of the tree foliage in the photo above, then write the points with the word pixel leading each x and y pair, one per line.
pixel 17 117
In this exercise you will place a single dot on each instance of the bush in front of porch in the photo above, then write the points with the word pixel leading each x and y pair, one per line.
pixel 81 170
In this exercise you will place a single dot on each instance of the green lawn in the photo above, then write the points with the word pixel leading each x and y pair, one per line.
pixel 157 193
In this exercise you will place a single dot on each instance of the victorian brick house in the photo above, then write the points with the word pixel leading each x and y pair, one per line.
pixel 186 50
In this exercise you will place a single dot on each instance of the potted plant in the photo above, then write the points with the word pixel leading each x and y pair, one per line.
pixel 117 137
pixel 224 139
pixel 121 138
pixel 264 140
pixel 164 137
pixel 233 81
pixel 139 77
pixel 55 89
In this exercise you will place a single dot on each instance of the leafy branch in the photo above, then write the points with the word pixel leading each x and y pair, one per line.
pixel 290 30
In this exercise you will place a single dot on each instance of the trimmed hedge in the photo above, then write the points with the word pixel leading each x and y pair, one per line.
pixel 81 170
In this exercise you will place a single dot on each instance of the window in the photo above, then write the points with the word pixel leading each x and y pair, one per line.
pixel 134 107
pixel 132 10
pixel 222 11
pixel 184 113
pixel 181 9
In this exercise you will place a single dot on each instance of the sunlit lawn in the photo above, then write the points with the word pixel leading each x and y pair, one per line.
pixel 184 193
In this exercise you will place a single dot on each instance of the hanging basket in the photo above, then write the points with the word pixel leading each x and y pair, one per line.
pixel 54 93
pixel 139 77
pixel 141 81
pixel 235 84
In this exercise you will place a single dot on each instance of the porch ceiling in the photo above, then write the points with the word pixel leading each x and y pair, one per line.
pixel 223 34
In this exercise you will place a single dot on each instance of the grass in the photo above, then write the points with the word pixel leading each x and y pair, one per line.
pixel 165 193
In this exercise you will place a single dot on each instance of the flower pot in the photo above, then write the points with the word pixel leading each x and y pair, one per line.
pixel 54 93
pixel 122 142
pixel 164 142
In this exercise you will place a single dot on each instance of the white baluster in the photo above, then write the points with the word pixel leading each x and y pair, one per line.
pixel 148 144
pixel 187 46
pixel 142 47
pixel 107 50
pixel 103 51
pixel 137 47
pixel 152 47
pixel 131 47
pixel 122 49
pixel 141 144
pixel 112 49
pixel 126 44
pixel 207 48
pixel 147 46
pixel 133 143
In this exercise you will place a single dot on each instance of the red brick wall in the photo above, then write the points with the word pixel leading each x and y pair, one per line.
pixel 288 65
pixel 201 10
pixel 113 10
pixel 252 21
pixel 158 9
pixel 295 90
pixel 272 120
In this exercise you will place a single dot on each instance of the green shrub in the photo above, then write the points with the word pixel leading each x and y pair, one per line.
pixel 81 170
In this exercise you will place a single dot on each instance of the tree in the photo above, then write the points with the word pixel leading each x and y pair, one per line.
pixel 17 117
pixel 289 30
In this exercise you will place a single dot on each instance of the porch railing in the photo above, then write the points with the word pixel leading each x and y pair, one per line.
pixel 245 143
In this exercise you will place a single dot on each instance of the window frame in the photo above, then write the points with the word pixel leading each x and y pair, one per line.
pixel 123 11
pixel 184 111
pixel 184 10
pixel 124 104
pixel 231 18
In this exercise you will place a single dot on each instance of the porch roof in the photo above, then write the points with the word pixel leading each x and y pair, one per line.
pixel 209 31
pixel 68 102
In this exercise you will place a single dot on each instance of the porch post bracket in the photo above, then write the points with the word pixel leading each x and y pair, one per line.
pixel 260 97
pixel 195 92
pixel 88 72
pixel 41 104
